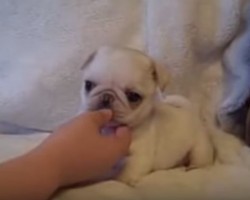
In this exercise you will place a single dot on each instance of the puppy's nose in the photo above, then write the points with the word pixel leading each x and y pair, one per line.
pixel 107 100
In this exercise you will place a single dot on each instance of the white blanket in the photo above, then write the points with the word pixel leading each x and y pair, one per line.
pixel 44 43
pixel 227 179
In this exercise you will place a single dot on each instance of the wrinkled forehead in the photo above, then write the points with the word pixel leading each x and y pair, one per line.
pixel 129 69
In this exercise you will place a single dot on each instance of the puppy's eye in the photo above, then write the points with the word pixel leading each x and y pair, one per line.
pixel 89 85
pixel 133 97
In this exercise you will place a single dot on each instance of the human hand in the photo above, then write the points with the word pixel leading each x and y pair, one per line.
pixel 78 152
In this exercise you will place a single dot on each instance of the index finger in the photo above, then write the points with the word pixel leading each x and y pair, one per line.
pixel 101 117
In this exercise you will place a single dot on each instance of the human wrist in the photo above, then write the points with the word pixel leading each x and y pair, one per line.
pixel 48 163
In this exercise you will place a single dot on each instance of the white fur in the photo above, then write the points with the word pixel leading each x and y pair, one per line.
pixel 164 140
pixel 167 133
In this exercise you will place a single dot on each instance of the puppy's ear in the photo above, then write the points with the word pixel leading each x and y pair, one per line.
pixel 161 76
pixel 88 60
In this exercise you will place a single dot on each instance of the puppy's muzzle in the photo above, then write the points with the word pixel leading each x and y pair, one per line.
pixel 106 100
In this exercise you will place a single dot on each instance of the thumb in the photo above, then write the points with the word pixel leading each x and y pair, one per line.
pixel 101 117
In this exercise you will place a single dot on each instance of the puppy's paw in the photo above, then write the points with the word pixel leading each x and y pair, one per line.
pixel 129 178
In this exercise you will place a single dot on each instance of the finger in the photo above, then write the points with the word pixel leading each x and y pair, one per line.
pixel 101 117
pixel 123 139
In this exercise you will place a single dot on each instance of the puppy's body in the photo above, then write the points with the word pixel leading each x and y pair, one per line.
pixel 165 132
pixel 165 140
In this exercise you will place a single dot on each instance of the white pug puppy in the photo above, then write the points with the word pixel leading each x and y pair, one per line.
pixel 165 132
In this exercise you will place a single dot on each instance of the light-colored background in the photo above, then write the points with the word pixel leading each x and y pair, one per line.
pixel 44 43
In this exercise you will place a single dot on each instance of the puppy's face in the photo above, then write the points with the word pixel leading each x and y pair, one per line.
pixel 123 80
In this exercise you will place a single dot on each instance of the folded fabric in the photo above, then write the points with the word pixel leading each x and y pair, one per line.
pixel 44 43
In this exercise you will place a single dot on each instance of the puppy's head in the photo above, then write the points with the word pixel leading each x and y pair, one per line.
pixel 123 80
